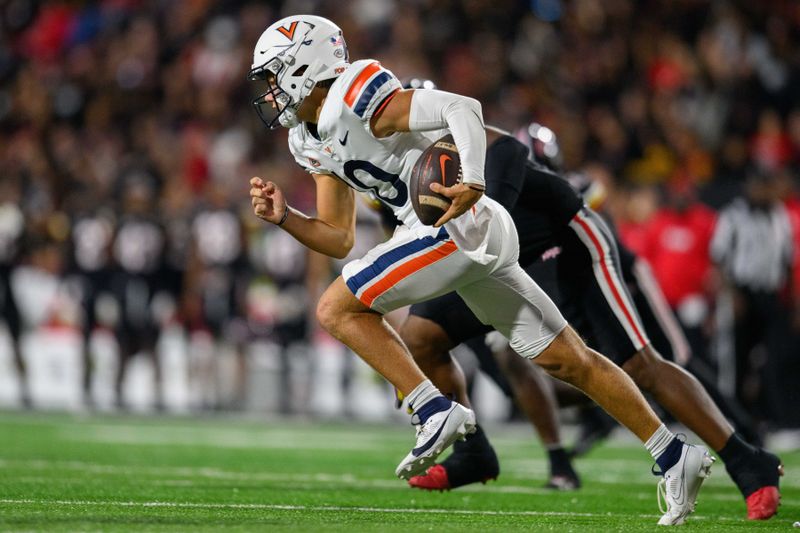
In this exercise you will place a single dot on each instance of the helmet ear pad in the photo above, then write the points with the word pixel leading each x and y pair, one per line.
pixel 300 80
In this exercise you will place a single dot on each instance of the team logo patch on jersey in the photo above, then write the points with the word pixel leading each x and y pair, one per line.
pixel 288 32
pixel 551 253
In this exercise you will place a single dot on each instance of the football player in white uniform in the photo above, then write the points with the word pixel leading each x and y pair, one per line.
pixel 353 128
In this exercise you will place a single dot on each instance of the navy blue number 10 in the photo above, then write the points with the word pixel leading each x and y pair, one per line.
pixel 400 197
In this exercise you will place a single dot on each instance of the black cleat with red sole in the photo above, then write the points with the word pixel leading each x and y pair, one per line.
pixel 758 477
pixel 472 461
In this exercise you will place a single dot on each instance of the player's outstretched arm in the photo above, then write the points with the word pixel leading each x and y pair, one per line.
pixel 331 232
pixel 426 110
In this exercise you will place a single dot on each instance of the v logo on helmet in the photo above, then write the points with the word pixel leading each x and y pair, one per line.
pixel 288 32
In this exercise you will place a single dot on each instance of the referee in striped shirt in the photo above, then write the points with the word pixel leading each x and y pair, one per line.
pixel 753 248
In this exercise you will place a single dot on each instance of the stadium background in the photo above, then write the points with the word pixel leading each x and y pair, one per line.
pixel 121 109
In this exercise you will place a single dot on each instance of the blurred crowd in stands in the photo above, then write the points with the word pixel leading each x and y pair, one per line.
pixel 127 140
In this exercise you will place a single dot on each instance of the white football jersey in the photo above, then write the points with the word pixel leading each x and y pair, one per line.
pixel 347 149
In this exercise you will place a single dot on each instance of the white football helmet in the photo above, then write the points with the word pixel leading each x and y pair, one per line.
pixel 292 55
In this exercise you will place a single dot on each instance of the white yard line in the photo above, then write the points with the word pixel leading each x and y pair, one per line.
pixel 515 469
pixel 632 475
pixel 328 508
pixel 297 480
pixel 231 438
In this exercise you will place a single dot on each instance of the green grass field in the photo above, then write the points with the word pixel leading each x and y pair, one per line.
pixel 62 473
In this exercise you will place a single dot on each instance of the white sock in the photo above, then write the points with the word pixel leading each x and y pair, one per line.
pixel 659 441
pixel 421 395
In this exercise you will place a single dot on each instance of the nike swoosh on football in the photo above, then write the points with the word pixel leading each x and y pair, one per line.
pixel 344 141
pixel 444 158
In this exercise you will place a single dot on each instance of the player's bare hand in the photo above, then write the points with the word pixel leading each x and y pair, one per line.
pixel 462 196
pixel 268 201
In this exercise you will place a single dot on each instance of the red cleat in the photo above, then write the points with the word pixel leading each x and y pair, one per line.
pixel 435 478
pixel 758 478
pixel 763 503
pixel 472 461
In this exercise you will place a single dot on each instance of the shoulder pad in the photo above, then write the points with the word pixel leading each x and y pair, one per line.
pixel 365 86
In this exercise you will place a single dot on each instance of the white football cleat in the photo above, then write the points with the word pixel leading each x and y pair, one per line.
pixel 434 436
pixel 681 483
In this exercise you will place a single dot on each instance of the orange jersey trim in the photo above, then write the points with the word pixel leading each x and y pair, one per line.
pixel 358 83
pixel 406 269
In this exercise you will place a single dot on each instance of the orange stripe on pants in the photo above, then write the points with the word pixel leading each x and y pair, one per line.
pixel 406 269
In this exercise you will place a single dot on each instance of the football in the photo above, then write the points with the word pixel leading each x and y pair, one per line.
pixel 439 163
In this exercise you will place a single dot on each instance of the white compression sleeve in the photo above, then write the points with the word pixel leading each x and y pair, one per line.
pixel 433 110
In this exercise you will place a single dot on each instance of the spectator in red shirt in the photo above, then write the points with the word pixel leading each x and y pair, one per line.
pixel 675 242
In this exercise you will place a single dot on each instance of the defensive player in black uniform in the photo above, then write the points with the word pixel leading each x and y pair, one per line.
pixel 548 212
pixel 659 322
